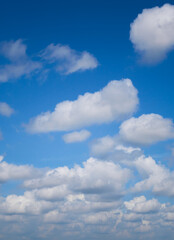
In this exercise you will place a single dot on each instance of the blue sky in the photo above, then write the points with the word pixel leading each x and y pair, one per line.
pixel 86 120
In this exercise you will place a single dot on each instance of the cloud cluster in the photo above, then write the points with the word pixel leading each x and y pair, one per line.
pixel 88 199
pixel 152 33
pixel 68 60
pixel 94 177
pixel 115 101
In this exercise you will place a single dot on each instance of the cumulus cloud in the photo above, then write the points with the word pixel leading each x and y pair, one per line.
pixel 25 204
pixel 86 200
pixel 114 102
pixel 15 172
pixel 76 136
pixel 152 33
pixel 94 177
pixel 68 60
pixel 141 205
pixel 146 129
pixel 5 109
pixel 156 178
pixel 20 64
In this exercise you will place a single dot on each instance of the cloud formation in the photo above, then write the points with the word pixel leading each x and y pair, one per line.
pixel 152 33
pixel 76 136
pixel 68 60
pixel 116 101
pixel 20 64
pixel 84 199
pixel 156 178
pixel 141 205
pixel 94 177
pixel 16 172
pixel 146 129
pixel 5 109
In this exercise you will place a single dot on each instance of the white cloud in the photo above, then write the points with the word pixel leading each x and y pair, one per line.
pixel 5 109
pixel 102 146
pixel 114 102
pixel 68 60
pixel 113 149
pixel 141 205
pixel 95 177
pixel 84 200
pixel 152 33
pixel 76 136
pixel 14 172
pixel 25 204
pixel 21 64
pixel 156 178
pixel 146 129
pixel 127 150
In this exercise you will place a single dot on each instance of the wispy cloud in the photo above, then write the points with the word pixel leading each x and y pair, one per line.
pixel 20 64
pixel 68 60
pixel 76 136
pixel 5 109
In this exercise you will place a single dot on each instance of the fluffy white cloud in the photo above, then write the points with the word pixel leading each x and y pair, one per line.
pixel 114 102
pixel 68 60
pixel 5 109
pixel 152 33
pixel 85 199
pixel 76 136
pixel 141 205
pixel 25 204
pixel 14 172
pixel 21 64
pixel 95 177
pixel 156 178
pixel 147 129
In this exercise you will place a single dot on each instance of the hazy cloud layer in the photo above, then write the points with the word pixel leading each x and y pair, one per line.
pixel 152 33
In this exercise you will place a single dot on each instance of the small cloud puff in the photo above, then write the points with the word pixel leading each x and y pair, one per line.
pixel 76 136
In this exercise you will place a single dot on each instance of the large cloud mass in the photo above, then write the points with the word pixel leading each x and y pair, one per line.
pixel 152 33
pixel 114 102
